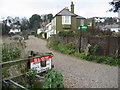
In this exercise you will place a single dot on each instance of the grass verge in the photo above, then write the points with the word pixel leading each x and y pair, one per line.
pixel 69 49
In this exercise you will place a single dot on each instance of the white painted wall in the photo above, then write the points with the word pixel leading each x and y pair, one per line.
pixel 39 31
pixel 48 30
pixel 115 29
pixel 14 30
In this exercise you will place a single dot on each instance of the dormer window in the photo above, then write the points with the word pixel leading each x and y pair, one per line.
pixel 66 20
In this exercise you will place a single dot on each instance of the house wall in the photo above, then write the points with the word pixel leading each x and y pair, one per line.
pixel 53 27
pixel 39 31
pixel 73 23
pixel 89 22
pixel 78 22
pixel 115 29
pixel 59 23
pixel 59 26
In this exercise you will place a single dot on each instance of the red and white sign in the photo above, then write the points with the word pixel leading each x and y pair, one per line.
pixel 40 58
pixel 35 63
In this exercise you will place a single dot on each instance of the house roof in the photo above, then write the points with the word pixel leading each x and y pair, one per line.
pixel 79 17
pixel 65 12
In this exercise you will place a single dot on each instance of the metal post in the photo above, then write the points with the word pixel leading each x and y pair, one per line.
pixel 17 84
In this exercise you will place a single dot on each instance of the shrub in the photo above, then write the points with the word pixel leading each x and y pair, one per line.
pixel 112 61
pixel 101 59
pixel 67 48
pixel 10 53
pixel 53 80
pixel 66 33
pixel 77 54
pixel 93 49
pixel 54 44
pixel 101 34
pixel 33 33
pixel 31 77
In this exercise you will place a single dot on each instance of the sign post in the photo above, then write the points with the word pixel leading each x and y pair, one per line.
pixel 81 30
pixel 82 27
pixel 41 64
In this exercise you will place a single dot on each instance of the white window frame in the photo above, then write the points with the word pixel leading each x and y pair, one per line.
pixel 66 20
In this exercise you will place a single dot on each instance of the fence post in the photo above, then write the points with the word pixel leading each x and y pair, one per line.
pixel 107 47
pixel 79 42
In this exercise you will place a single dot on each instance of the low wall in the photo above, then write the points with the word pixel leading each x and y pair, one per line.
pixel 108 46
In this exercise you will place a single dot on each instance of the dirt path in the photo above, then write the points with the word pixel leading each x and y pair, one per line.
pixel 78 73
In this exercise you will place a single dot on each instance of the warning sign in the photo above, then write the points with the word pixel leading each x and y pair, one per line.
pixel 41 64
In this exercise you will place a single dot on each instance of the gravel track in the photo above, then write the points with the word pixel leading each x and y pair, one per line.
pixel 78 73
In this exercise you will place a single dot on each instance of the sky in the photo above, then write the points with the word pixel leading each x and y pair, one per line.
pixel 26 8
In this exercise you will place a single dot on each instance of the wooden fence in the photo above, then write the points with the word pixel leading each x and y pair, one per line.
pixel 15 68
pixel 11 70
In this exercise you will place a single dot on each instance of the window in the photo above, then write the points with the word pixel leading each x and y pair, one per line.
pixel 81 22
pixel 66 19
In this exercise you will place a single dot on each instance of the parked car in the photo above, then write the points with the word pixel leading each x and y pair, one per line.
pixel 17 37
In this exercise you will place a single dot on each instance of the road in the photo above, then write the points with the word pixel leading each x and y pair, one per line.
pixel 77 73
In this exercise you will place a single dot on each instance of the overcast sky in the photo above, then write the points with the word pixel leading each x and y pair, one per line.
pixel 26 8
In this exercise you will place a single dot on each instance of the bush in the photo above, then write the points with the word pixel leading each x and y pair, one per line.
pixel 113 61
pixel 77 54
pixel 53 80
pixel 93 49
pixel 33 33
pixel 67 48
pixel 101 59
pixel 10 53
pixel 66 33
pixel 54 44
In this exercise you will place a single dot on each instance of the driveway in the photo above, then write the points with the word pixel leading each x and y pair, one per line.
pixel 78 73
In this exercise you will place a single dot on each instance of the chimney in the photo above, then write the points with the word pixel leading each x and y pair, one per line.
pixel 72 7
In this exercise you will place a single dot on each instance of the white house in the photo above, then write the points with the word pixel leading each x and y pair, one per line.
pixel 15 31
pixel 47 31
pixel 40 30
pixel 112 27
pixel 115 28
